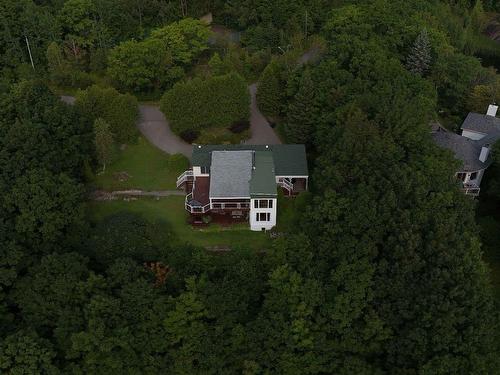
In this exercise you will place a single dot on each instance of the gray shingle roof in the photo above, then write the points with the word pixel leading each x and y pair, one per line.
pixel 230 174
pixel 289 160
pixel 466 150
pixel 481 123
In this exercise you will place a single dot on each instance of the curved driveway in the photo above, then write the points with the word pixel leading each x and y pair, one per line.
pixel 154 126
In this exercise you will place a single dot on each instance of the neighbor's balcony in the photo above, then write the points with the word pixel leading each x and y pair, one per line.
pixel 471 189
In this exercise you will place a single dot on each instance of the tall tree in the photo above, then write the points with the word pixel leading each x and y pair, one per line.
pixel 419 58
pixel 301 113
pixel 104 142
pixel 271 90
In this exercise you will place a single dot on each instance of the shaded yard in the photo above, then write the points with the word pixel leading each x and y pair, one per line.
pixel 142 166
pixel 171 210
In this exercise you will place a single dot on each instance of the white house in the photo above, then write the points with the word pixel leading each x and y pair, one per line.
pixel 472 147
pixel 239 183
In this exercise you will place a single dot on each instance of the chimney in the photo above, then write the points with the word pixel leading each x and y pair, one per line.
pixel 485 151
pixel 492 110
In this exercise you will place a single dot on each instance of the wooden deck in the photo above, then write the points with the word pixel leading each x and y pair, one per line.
pixel 201 190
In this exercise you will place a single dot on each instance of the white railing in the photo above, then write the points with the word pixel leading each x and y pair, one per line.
pixel 471 189
pixel 186 176
pixel 283 182
pixel 195 209
pixel 235 206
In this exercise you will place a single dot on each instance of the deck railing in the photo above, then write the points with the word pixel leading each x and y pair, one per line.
pixel 185 177
pixel 471 189
pixel 285 183
pixel 195 209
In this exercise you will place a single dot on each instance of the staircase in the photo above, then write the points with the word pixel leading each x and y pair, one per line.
pixel 186 177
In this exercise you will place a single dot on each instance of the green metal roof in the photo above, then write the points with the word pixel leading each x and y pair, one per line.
pixel 263 181
pixel 289 160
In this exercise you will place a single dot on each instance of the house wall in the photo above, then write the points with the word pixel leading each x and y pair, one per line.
pixel 263 225
pixel 198 173
pixel 477 180
pixel 472 134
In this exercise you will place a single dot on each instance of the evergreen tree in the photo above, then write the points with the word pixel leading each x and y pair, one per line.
pixel 300 119
pixel 270 90
pixel 419 58
pixel 104 142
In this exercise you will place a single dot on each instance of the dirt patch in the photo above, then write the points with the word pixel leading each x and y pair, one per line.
pixel 121 176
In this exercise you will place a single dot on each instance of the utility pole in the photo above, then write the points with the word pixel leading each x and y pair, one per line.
pixel 29 51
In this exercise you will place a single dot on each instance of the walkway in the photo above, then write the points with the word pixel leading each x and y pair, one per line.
pixel 101 195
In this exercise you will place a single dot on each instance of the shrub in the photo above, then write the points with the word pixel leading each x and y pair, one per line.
pixel 189 136
pixel 239 126
pixel 215 102
pixel 120 111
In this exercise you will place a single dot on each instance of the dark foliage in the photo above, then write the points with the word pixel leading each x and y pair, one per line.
pixel 239 126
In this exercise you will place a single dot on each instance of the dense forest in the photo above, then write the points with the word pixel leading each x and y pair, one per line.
pixel 383 271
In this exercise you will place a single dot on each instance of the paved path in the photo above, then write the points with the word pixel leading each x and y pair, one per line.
pixel 155 128
pixel 262 133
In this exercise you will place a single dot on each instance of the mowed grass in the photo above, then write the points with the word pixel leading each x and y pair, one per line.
pixel 142 166
pixel 171 211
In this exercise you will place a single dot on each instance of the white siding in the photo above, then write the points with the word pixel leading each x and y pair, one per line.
pixel 473 135
pixel 260 225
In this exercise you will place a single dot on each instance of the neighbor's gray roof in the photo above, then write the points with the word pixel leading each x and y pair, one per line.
pixel 230 174
pixel 481 123
pixel 466 150
pixel 289 160
pixel 263 182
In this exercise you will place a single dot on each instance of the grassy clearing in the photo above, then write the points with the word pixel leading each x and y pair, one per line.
pixel 171 210
pixel 142 166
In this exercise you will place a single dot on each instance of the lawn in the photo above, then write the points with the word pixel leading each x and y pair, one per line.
pixel 142 166
pixel 171 209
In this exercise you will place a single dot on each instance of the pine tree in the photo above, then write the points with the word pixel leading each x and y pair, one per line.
pixel 270 91
pixel 419 58
pixel 217 66
pixel 104 142
pixel 300 116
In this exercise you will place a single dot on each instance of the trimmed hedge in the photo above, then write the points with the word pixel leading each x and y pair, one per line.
pixel 198 104
pixel 120 111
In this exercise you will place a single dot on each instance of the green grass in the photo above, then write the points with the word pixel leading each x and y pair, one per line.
pixel 171 210
pixel 147 167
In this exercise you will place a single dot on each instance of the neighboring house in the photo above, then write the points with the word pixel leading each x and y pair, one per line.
pixel 236 183
pixel 472 148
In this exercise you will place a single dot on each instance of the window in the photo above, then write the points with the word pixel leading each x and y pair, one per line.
pixel 262 216
pixel 473 176
pixel 461 176
pixel 263 203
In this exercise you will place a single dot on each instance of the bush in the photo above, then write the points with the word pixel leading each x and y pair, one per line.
pixel 189 136
pixel 120 111
pixel 240 126
pixel 215 102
